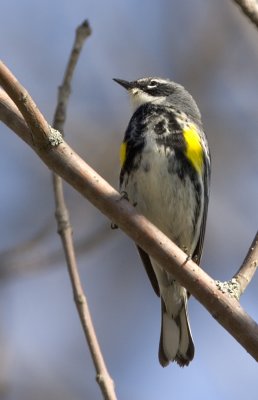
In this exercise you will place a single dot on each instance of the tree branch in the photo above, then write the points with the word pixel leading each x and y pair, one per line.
pixel 250 9
pixel 11 117
pixel 65 230
pixel 64 161
pixel 82 33
pixel 247 270
pixel 237 285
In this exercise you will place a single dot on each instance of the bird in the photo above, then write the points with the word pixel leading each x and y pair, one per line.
pixel 165 174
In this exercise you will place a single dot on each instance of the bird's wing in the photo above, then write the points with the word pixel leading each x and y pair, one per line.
pixel 149 269
pixel 131 149
pixel 206 177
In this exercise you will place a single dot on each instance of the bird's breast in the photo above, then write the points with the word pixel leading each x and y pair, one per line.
pixel 166 197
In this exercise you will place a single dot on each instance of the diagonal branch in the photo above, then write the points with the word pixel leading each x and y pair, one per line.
pixel 64 226
pixel 12 117
pixel 250 9
pixel 64 161
pixel 247 270
pixel 237 285
pixel 82 33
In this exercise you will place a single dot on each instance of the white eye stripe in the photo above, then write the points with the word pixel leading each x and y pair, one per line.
pixel 152 84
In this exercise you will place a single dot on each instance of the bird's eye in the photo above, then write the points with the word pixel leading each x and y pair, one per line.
pixel 152 84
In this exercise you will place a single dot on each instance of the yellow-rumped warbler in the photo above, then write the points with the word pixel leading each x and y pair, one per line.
pixel 165 172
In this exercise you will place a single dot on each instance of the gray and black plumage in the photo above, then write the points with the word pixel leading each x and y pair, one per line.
pixel 165 171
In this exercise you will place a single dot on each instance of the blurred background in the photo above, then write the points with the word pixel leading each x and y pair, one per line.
pixel 210 48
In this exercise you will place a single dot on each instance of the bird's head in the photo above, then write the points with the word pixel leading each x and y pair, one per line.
pixel 160 91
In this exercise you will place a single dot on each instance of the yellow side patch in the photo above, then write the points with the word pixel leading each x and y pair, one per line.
pixel 123 153
pixel 194 151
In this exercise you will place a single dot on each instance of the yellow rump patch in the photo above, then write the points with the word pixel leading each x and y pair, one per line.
pixel 123 153
pixel 194 151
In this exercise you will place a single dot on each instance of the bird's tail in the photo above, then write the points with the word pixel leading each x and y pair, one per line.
pixel 176 343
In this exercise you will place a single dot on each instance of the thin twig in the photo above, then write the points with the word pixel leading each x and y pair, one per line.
pixel 250 9
pixel 237 285
pixel 65 162
pixel 64 226
pixel 82 33
pixel 247 270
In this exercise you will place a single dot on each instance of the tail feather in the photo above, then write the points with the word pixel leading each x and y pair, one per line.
pixel 176 343
pixel 185 352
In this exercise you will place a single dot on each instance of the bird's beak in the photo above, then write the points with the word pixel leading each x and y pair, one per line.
pixel 127 85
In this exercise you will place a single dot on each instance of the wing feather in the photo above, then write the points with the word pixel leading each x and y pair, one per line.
pixel 197 254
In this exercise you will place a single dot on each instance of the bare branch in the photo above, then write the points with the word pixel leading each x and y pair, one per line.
pixel 250 9
pixel 82 33
pixel 247 270
pixel 64 161
pixel 11 116
pixel 28 109
pixel 65 230
pixel 236 286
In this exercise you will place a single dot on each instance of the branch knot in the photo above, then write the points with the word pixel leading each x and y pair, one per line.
pixel 232 287
pixel 55 138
